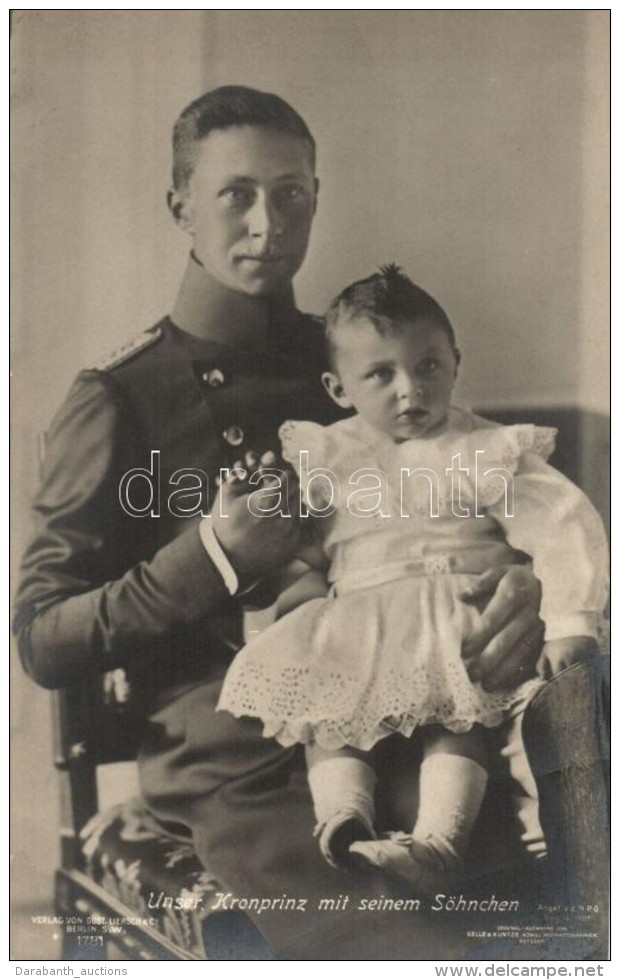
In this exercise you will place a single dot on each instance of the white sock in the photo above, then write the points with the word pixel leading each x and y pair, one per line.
pixel 525 793
pixel 342 783
pixel 452 789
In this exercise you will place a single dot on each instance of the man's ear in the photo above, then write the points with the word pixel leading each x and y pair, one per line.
pixel 317 184
pixel 335 390
pixel 457 357
pixel 180 209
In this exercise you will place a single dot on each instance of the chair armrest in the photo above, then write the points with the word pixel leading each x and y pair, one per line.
pixel 566 738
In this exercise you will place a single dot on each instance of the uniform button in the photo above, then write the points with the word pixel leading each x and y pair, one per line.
pixel 214 378
pixel 233 435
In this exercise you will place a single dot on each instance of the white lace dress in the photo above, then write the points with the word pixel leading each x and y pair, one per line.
pixel 407 527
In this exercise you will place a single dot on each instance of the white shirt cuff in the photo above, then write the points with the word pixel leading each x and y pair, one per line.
pixel 218 556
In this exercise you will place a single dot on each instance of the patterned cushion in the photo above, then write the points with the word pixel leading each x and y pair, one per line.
pixel 157 874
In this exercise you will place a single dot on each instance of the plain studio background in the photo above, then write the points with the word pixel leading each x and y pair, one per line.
pixel 468 146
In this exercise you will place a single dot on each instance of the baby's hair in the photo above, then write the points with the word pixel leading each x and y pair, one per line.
pixel 386 298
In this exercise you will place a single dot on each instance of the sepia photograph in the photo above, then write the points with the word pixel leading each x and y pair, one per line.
pixel 310 470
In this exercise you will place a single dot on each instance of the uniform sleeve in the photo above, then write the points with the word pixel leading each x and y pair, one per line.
pixel 556 525
pixel 84 599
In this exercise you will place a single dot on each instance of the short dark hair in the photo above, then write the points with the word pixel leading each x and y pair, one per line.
pixel 221 108
pixel 385 298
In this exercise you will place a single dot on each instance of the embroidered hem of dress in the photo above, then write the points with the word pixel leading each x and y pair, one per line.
pixel 330 734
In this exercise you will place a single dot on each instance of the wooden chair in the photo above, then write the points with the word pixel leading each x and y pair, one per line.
pixel 566 729
pixel 118 864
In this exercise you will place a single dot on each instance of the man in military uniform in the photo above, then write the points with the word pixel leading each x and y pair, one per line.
pixel 162 596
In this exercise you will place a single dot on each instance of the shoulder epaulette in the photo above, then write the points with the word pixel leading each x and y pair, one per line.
pixel 129 349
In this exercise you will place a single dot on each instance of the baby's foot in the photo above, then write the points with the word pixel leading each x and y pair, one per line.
pixel 338 835
pixel 423 864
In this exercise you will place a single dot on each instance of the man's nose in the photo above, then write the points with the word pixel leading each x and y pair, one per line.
pixel 264 219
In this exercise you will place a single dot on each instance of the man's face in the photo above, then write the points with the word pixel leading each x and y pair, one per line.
pixel 249 207
pixel 400 382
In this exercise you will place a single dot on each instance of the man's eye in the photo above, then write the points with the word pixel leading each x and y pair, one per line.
pixel 290 194
pixel 236 195
pixel 429 365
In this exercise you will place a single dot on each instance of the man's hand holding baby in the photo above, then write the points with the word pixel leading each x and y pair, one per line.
pixel 503 649
pixel 256 541
pixel 508 647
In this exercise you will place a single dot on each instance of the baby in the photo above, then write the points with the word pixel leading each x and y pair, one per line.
pixel 412 499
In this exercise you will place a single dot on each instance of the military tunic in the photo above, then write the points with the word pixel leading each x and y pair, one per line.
pixel 104 588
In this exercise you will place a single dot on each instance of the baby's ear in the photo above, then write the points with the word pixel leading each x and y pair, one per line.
pixel 457 357
pixel 335 390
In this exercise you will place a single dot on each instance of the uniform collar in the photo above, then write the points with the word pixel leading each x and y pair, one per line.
pixel 209 310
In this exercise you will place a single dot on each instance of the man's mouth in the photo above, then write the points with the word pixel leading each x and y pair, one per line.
pixel 266 259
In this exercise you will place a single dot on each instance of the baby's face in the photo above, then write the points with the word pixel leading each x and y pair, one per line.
pixel 400 383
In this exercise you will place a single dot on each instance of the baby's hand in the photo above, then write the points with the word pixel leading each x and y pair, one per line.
pixel 256 542
pixel 558 654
